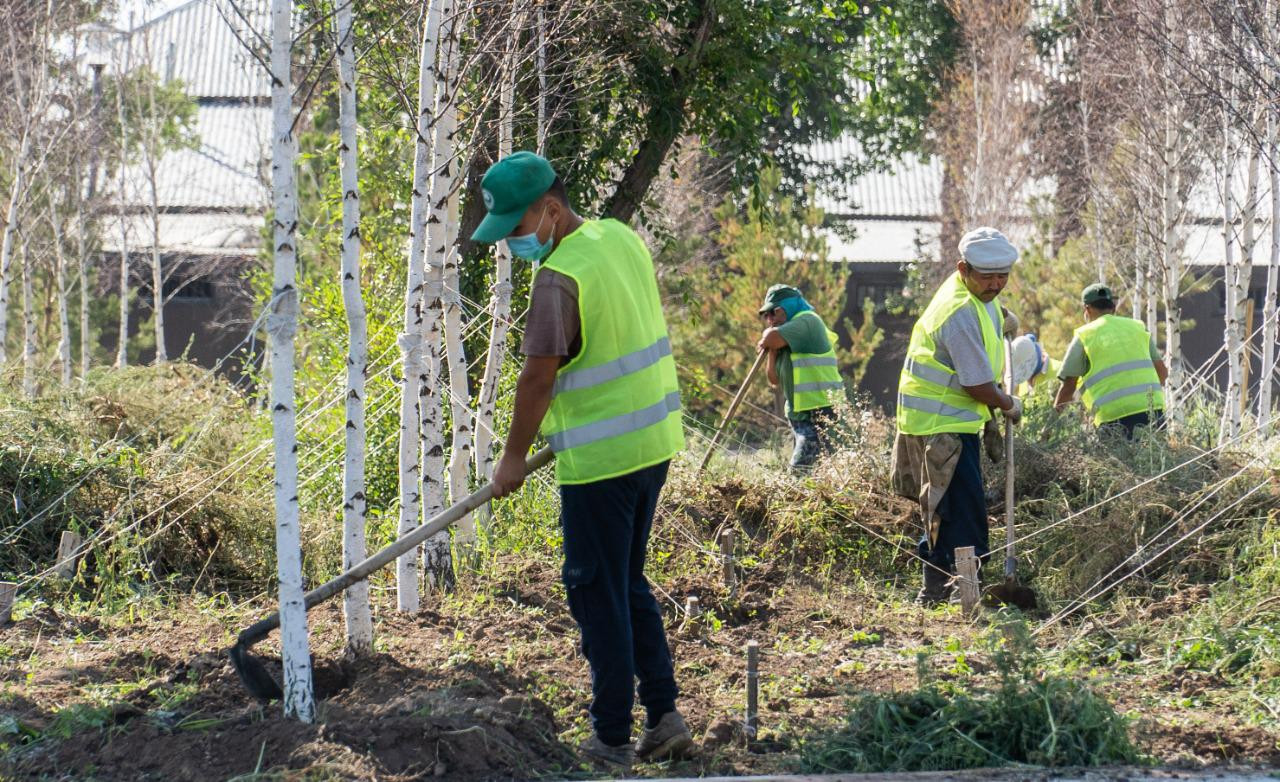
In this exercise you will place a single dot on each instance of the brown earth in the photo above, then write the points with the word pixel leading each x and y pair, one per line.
pixel 488 685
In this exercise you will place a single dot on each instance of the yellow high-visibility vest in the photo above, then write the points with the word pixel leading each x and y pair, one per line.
pixel 930 399
pixel 615 407
pixel 1122 379
pixel 815 377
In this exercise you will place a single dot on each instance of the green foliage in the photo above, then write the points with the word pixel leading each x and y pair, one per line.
pixel 775 240
pixel 1027 716
pixel 1044 290
pixel 142 463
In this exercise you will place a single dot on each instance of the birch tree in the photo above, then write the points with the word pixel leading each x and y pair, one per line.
pixel 282 324
pixel 7 241
pixel 446 190
pixel 355 603
pixel 500 301
pixel 122 354
pixel 411 343
pixel 1266 378
pixel 60 273
pixel 438 561
pixel 28 320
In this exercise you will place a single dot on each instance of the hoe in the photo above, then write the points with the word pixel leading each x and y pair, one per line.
pixel 255 676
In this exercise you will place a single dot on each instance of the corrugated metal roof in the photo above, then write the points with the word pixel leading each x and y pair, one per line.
pixel 212 197
pixel 224 172
pixel 191 234
pixel 205 44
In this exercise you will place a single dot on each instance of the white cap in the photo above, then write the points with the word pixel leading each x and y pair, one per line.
pixel 1029 358
pixel 988 250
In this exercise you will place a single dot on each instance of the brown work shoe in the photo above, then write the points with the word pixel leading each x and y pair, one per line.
pixel 608 757
pixel 670 739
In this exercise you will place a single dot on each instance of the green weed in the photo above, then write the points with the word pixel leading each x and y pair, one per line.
pixel 1028 716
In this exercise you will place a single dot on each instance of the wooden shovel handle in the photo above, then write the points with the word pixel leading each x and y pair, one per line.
pixel 733 408
pixel 409 541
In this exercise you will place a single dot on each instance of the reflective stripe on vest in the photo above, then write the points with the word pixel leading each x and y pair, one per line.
pixel 616 426
pixel 615 407
pixel 930 398
pixel 815 377
pixel 624 365
pixel 935 407
pixel 931 375
pixel 1122 379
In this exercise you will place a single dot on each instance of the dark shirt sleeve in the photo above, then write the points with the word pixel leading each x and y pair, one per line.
pixel 553 327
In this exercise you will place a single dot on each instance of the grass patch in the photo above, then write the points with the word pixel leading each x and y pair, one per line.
pixel 1025 716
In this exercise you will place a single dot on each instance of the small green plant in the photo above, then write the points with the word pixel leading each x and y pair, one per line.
pixel 1027 717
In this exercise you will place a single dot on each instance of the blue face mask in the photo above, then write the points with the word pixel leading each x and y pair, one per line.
pixel 527 246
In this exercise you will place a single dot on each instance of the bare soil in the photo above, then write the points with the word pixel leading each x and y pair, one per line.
pixel 488 685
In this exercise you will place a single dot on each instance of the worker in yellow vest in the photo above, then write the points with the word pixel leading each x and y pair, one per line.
pixel 802 360
pixel 1115 362
pixel 946 393
pixel 600 382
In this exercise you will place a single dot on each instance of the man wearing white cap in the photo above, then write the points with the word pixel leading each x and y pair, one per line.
pixel 946 393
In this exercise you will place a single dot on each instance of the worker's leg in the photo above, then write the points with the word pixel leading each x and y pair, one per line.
pixel 805 452
pixel 648 636
pixel 598 521
pixel 962 510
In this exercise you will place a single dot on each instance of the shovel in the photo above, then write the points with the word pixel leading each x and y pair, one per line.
pixel 733 408
pixel 1010 592
pixel 255 676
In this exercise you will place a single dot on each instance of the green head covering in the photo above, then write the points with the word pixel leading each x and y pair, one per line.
pixel 1096 294
pixel 776 295
pixel 508 188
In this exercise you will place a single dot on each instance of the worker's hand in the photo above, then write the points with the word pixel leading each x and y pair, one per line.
pixel 1010 324
pixel 509 474
pixel 1014 413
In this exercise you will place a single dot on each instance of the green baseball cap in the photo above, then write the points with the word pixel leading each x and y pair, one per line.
pixel 775 295
pixel 508 188
pixel 1097 293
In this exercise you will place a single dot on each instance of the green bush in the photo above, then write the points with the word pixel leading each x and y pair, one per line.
pixel 1028 716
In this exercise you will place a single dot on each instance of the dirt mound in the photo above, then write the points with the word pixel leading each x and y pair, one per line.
pixel 421 733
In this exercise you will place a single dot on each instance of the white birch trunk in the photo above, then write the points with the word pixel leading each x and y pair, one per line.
pixel 355 601
pixel 1172 263
pixel 500 301
pixel 1232 317
pixel 445 193
pixel 28 325
pixel 82 272
pixel 64 320
pixel 1266 379
pixel 122 354
pixel 541 64
pixel 152 152
pixel 1243 276
pixel 1149 292
pixel 1139 278
pixel 282 324
pixel 6 243
pixel 411 346
pixel 437 555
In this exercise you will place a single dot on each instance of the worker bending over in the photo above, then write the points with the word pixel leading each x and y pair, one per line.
pixel 802 359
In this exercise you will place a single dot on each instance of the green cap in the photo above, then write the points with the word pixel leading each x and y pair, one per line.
pixel 1097 293
pixel 508 187
pixel 776 295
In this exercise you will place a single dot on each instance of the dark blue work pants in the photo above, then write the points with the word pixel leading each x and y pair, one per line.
pixel 962 511
pixel 606 535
